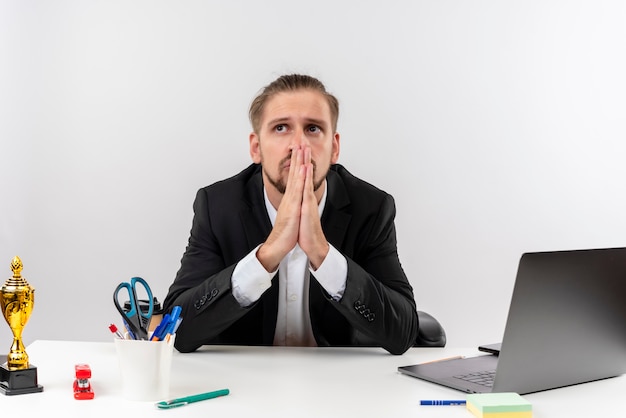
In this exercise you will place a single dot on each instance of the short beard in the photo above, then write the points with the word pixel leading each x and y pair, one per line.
pixel 280 185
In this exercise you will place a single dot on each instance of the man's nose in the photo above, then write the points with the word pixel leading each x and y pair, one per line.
pixel 300 137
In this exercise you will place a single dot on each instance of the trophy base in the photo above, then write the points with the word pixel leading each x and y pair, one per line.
pixel 18 382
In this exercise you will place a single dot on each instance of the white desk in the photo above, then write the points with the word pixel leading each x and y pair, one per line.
pixel 281 382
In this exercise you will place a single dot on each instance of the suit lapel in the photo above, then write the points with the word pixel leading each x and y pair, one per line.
pixel 336 217
pixel 257 227
pixel 335 220
pixel 253 213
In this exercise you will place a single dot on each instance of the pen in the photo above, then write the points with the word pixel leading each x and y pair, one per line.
pixel 131 334
pixel 160 329
pixel 168 324
pixel 442 402
pixel 444 359
pixel 175 403
pixel 180 319
pixel 115 331
pixel 176 310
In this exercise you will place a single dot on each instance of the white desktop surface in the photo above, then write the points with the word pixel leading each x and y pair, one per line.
pixel 281 382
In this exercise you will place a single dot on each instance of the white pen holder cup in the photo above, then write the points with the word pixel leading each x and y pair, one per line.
pixel 145 368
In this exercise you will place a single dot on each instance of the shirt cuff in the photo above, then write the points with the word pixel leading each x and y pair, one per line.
pixel 332 273
pixel 250 279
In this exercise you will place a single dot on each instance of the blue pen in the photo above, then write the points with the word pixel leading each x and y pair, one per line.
pixel 176 310
pixel 159 330
pixel 442 402
pixel 130 332
pixel 180 319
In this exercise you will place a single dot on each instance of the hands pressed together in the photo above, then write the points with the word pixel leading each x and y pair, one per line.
pixel 297 219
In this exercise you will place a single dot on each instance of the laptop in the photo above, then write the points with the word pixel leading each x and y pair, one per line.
pixel 566 325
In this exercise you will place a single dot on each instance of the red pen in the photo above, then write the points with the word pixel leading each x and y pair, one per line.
pixel 115 331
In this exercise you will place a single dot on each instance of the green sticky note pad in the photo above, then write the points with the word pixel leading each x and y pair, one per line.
pixel 490 403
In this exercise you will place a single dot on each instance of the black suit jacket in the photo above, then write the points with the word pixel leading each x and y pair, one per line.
pixel 230 219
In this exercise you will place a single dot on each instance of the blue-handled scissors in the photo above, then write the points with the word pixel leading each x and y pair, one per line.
pixel 134 318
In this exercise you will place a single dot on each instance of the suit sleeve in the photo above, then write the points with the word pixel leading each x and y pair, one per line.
pixel 202 286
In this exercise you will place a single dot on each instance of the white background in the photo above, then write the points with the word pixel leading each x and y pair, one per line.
pixel 498 126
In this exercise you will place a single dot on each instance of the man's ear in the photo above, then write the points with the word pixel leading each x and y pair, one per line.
pixel 334 157
pixel 255 148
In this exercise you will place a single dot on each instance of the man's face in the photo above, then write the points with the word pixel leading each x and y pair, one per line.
pixel 291 119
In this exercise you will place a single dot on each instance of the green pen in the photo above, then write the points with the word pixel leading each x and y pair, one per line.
pixel 175 403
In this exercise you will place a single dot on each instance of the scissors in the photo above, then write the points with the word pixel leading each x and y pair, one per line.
pixel 136 320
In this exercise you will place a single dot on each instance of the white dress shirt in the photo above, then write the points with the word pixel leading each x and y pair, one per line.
pixel 293 323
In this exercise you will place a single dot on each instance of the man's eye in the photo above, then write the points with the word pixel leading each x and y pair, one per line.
pixel 314 129
pixel 280 128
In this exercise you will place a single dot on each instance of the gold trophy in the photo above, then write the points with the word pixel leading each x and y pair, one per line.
pixel 17 376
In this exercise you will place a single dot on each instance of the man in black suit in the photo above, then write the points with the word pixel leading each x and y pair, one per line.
pixel 293 250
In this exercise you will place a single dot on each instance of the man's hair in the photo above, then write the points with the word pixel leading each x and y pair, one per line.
pixel 290 83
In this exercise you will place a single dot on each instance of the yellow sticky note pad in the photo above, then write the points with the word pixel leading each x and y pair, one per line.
pixel 499 405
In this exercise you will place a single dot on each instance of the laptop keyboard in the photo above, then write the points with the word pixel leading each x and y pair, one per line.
pixel 484 378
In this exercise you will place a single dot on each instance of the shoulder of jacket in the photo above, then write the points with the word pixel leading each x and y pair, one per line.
pixel 238 181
